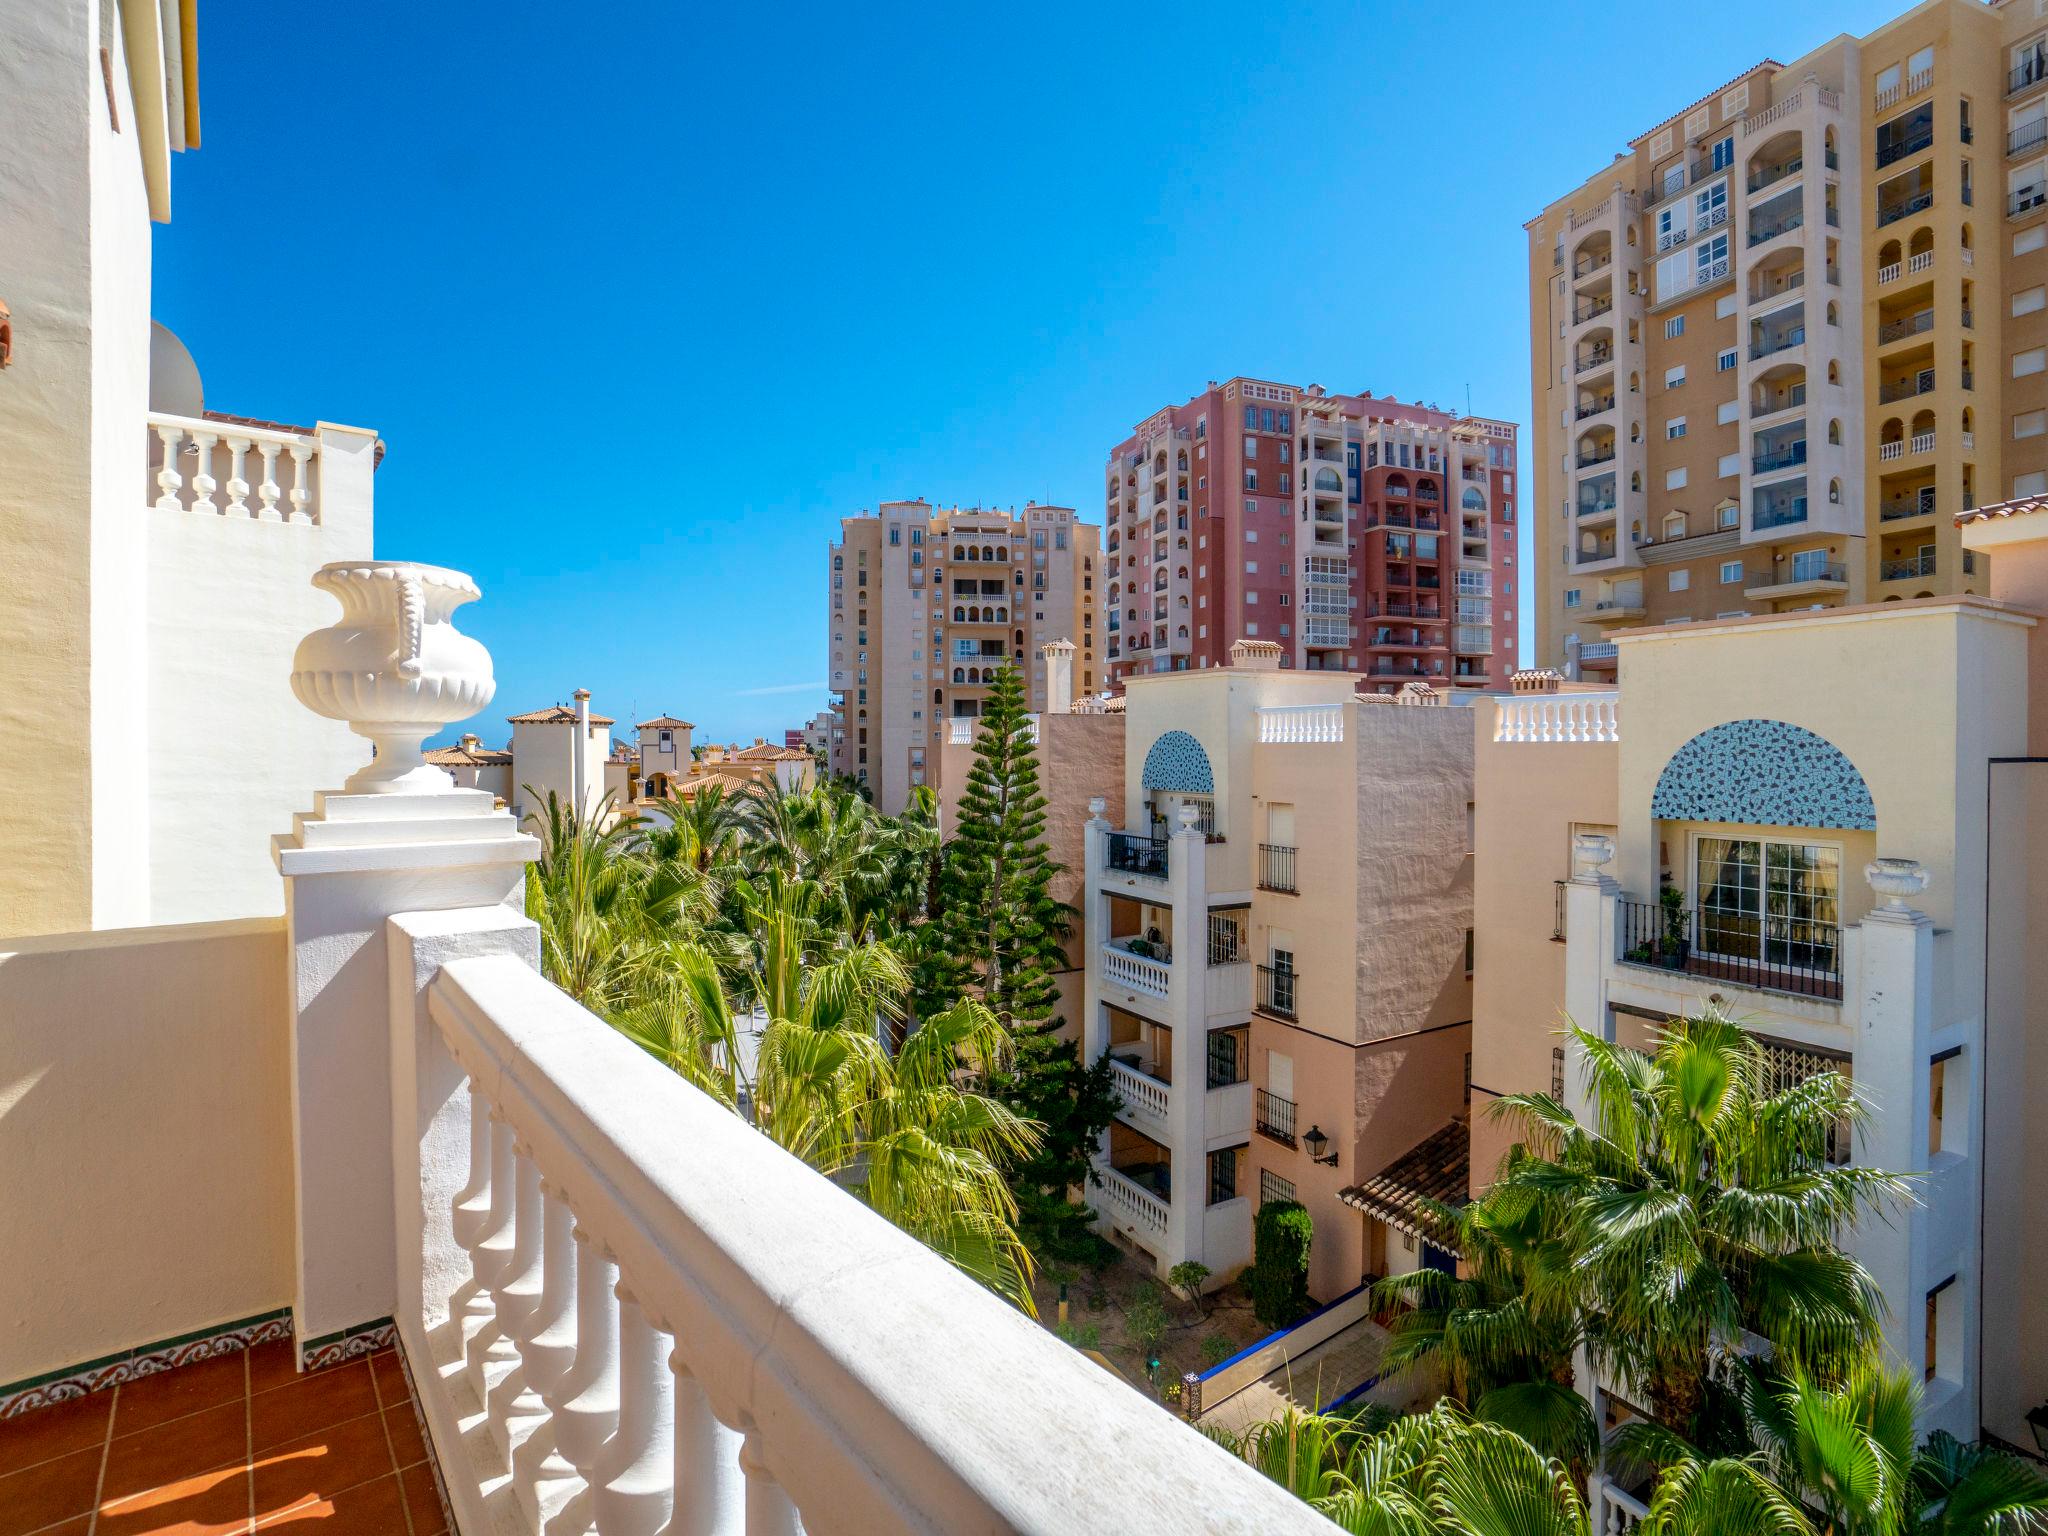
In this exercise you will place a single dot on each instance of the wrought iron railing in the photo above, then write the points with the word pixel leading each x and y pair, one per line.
pixel 1557 912
pixel 1276 992
pixel 1131 854
pixel 1273 1116
pixel 1276 867
pixel 1770 952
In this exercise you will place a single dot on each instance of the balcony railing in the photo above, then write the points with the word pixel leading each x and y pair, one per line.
pixel 230 469
pixel 1147 1102
pixel 1905 207
pixel 1779 458
pixel 1906 389
pixel 1792 574
pixel 1908 569
pixel 1767 952
pixel 2027 136
pixel 1912 325
pixel 1770 229
pixel 1781 341
pixel 1779 514
pixel 2028 71
pixel 1912 144
pixel 1588 460
pixel 2024 200
pixel 1592 360
pixel 1551 717
pixel 1589 310
pixel 1132 854
pixel 1276 992
pixel 1273 1116
pixel 662 1359
pixel 1276 867
pixel 1903 507
pixel 1132 1202
pixel 1152 975
pixel 1293 723
pixel 1594 409
pixel 1776 173
pixel 1557 911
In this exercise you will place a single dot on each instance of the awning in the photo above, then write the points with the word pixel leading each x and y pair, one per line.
pixel 1438 1168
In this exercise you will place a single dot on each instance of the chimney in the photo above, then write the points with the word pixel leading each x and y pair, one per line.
pixel 1534 680
pixel 577 772
pixel 1059 676
pixel 1256 655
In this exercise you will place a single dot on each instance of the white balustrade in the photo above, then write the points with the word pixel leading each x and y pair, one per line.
pixel 722 1342
pixel 1559 717
pixel 1290 723
pixel 1133 1202
pixel 1140 973
pixel 1920 261
pixel 961 731
pixel 1889 273
pixel 1616 1513
pixel 1923 442
pixel 1146 1099
pixel 196 456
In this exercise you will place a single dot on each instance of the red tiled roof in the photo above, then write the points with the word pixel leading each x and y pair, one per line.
pixel 554 714
pixel 467 757
pixel 2019 506
pixel 664 723
pixel 1436 1168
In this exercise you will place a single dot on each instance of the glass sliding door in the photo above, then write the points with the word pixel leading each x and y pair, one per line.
pixel 1766 900
pixel 1729 888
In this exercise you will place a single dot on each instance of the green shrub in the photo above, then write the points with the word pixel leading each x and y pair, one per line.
pixel 1145 1317
pixel 1215 1350
pixel 1281 1234
pixel 1089 1337
pixel 1187 1277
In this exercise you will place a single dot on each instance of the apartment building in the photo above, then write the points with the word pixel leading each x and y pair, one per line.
pixel 1356 533
pixel 1278 959
pixel 927 604
pixel 1781 341
pixel 1823 824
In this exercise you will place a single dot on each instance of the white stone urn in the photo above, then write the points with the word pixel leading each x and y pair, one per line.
pixel 1900 880
pixel 1591 851
pixel 1098 807
pixel 395 668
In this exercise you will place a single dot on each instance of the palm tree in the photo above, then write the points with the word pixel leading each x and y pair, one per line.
pixel 1700 1203
pixel 583 893
pixel 1504 1349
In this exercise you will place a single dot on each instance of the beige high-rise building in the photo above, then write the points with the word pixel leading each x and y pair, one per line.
pixel 1795 328
pixel 927 605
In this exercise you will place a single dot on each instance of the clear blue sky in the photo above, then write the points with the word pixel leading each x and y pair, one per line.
pixel 645 298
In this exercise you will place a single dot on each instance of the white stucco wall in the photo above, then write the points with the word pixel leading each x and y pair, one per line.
pixel 145 1126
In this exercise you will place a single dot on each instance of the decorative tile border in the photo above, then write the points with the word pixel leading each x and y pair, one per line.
pixel 333 1348
pixel 146 1360
pixel 412 1392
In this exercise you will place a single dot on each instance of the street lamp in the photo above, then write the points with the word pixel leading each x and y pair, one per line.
pixel 1315 1141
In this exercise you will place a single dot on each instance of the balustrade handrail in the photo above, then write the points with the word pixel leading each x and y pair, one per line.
pixel 1132 853
pixel 1296 723
pixel 1276 867
pixel 1541 717
pixel 211 465
pixel 1772 953
pixel 1275 992
pixel 758 1300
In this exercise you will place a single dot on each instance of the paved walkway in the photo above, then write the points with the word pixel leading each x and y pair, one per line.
pixel 1326 1371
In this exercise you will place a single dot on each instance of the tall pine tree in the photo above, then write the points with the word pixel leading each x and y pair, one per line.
pixel 1002 933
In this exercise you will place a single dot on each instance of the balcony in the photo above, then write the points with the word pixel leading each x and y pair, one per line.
pixel 1275 992
pixel 1794 578
pixel 1599 357
pixel 1772 174
pixel 1620 609
pixel 1591 309
pixel 1133 1204
pixel 1128 853
pixel 1773 342
pixel 1911 568
pixel 1784 457
pixel 2031 70
pixel 1890 212
pixel 2025 200
pixel 1910 144
pixel 1147 1100
pixel 1768 225
pixel 1148 970
pixel 1597 456
pixel 1900 508
pixel 1273 1116
pixel 1594 408
pixel 1911 325
pixel 1921 383
pixel 221 467
pixel 2028 136
pixel 1779 511
pixel 1276 867
pixel 1769 953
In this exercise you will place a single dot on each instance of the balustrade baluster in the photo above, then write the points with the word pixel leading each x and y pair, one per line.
pixel 518 1287
pixel 547 1349
pixel 472 1209
pixel 167 477
pixel 584 1403
pixel 710 1492
pixel 203 482
pixel 238 488
pixel 633 1483
pixel 302 493
pixel 769 1511
pixel 268 492
pixel 491 1257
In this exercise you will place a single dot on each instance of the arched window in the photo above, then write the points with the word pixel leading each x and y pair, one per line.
pixel 1473 500
pixel 959 674
pixel 1834 493
pixel 1835 431
pixel 959 615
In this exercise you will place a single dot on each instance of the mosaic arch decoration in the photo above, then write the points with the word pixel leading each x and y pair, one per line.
pixel 1766 772
pixel 1177 763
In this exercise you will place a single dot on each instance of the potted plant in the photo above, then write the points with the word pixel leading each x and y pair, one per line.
pixel 1142 948
pixel 1676 945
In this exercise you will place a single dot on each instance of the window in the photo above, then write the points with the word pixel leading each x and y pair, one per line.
pixel 1730 465
pixel 1724 149
pixel 1223 1173
pixel 1674 327
pixel 2028 300
pixel 1273 1188
pixel 1810 565
pixel 1251 480
pixel 1944 1333
pixel 1251 567
pixel 1710 260
pixel 2030 240
pixel 1728 516
pixel 1727 412
pixel 1937 1097
pixel 2033 360
pixel 1674 429
pixel 1251 447
pixel 1680 580
pixel 895 535
pixel 1571 597
pixel 1725 361
pixel 1674 479
pixel 1768 900
pixel 1731 573
pixel 2030 424
pixel 1673 377
pixel 2033 483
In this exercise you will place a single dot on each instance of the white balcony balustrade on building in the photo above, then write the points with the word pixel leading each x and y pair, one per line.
pixel 1291 723
pixel 1130 1201
pixel 1147 1102
pixel 1559 717
pixel 228 469
pixel 1138 973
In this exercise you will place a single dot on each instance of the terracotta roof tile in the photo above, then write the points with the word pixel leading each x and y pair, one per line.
pixel 664 723
pixel 555 714
pixel 467 757
pixel 2019 506
pixel 1439 1168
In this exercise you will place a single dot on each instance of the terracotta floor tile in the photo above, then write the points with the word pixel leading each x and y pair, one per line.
pixel 173 1394
pixel 312 1403
pixel 272 1365
pixel 42 1433
pixel 338 1457
pixel 212 1504
pixel 182 1448
pixel 390 1376
pixel 373 1509
pixel 49 1491
pixel 408 1444
pixel 79 1527
pixel 423 1500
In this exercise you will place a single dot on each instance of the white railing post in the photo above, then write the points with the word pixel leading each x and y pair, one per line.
pixel 167 478
pixel 769 1511
pixel 710 1497
pixel 632 1483
pixel 238 488
pixel 268 492
pixel 302 494
pixel 203 482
